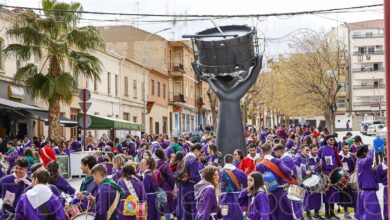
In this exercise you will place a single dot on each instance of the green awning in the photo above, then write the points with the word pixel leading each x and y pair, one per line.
pixel 100 122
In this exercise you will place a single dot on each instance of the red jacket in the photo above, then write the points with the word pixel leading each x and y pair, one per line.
pixel 248 164
pixel 47 155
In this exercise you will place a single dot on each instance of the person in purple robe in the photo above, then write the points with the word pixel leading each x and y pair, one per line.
pixel 206 200
pixel 313 201
pixel 168 182
pixel 381 173
pixel 12 187
pixel 290 142
pixel 215 156
pixel 26 142
pixel 264 134
pixel 301 162
pixel 348 195
pixel 118 163
pixel 255 198
pixel 130 146
pixel 43 142
pixel 330 160
pixel 141 150
pixel 186 206
pixel 205 148
pixel 59 181
pixel 108 195
pixel 152 180
pixel 132 185
pixel 108 162
pixel 39 202
pixel 232 181
pixel 357 142
pixel 278 200
pixel 155 145
pixel 187 144
pixel 88 186
pixel 238 157
pixel 75 146
pixel 367 204
pixel 10 156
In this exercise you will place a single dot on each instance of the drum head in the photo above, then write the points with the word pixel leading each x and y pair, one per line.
pixel 238 30
pixel 83 216
pixel 312 181
pixel 336 175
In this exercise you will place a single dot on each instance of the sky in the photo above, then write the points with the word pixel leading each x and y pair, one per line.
pixel 282 27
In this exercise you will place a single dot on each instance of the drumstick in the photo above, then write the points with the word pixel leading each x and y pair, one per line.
pixel 86 210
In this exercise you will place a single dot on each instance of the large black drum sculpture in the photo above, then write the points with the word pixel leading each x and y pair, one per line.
pixel 227 58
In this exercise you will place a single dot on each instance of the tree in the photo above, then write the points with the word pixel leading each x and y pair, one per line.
pixel 55 39
pixel 315 68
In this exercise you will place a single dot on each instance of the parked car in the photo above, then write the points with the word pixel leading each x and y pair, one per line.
pixel 373 129
pixel 365 124
pixel 195 136
pixel 383 132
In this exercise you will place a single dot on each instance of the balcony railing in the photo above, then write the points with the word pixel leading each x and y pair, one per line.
pixel 367 103
pixel 369 86
pixel 178 97
pixel 340 105
pixel 178 67
pixel 377 52
pixel 367 35
pixel 368 69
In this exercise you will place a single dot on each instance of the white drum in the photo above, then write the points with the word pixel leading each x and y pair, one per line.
pixel 295 193
pixel 84 216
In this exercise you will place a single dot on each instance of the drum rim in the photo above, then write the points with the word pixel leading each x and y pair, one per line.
pixel 250 30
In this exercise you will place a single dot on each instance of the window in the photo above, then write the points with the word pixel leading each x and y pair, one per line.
pixel 135 119
pixel 152 86
pixel 116 85
pixel 164 91
pixel 109 83
pixel 158 89
pixel 126 86
pixel 126 116
pixel 135 89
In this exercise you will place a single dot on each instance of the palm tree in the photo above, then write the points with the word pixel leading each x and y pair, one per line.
pixel 64 49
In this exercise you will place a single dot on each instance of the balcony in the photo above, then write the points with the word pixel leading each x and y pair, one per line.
pixel 178 97
pixel 369 35
pixel 177 69
pixel 340 105
pixel 367 103
pixel 199 103
pixel 368 69
pixel 377 52
pixel 369 86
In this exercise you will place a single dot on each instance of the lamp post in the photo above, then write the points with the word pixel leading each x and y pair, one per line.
pixel 143 71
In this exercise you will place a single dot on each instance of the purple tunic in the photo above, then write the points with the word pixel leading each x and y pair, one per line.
pixel 155 146
pixel 259 207
pixel 290 144
pixel 186 146
pixel 348 196
pixel 186 207
pixel 131 148
pixel 206 201
pixel 278 200
pixel 28 144
pixel 229 192
pixel 64 186
pixel 116 174
pixel 368 205
pixel 7 184
pixel 90 147
pixel 109 167
pixel 24 209
pixel 329 163
pixel 12 155
pixel 168 184
pixel 104 198
pixel 301 161
pixel 89 187
pixel 76 146
pixel 313 200
pixel 151 187
pixel 139 190
pixel 382 178
pixel 53 188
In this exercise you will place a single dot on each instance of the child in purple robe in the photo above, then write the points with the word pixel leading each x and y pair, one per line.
pixel 152 180
pixel 301 161
pixel 136 189
pixel 39 202
pixel 168 182
pixel 88 186
pixel 206 200
pixel 313 200
pixel 255 198
pixel 118 163
pixel 367 204
pixel 186 207
pixel 108 162
pixel 58 180
pixel 278 200
pixel 108 195
pixel 347 196
pixel 382 178
pixel 12 187
pixel 11 155
pixel 232 181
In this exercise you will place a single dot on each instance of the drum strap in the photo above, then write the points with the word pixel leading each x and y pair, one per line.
pixel 113 205
pixel 276 170
pixel 234 178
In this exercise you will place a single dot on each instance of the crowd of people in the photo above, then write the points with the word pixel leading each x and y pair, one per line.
pixel 154 176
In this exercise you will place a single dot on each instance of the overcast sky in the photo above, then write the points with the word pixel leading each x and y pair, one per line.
pixel 273 27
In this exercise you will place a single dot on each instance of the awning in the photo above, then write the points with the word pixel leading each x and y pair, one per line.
pixel 17 105
pixel 44 115
pixel 100 122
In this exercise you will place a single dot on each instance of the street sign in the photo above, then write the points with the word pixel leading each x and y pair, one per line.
pixel 88 121
pixel 87 95
pixel 87 105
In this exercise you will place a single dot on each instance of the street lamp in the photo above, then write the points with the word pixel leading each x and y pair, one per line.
pixel 143 71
